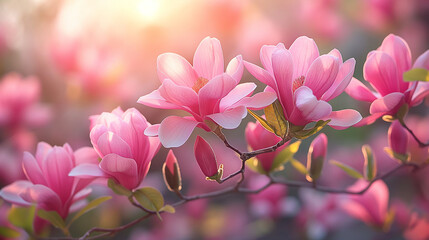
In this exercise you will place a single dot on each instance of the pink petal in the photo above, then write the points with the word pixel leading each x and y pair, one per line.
pixel 85 155
pixel 420 93
pixel 41 152
pixel 11 193
pixel 381 71
pixel 211 94
pixel 357 90
pixel 110 142
pixel 261 74
pixel 343 119
pixel 236 94
pixel 208 58
pixel 155 100
pixel 231 118
pixel 422 61
pixel 32 169
pixel 45 198
pixel 357 210
pixel 152 131
pixel 235 68
pixel 124 170
pixel 177 69
pixel 171 135
pixel 94 135
pixel 283 67
pixel 388 104
pixel 368 120
pixel 398 49
pixel 179 95
pixel 334 52
pixel 87 170
pixel 311 108
pixel 304 51
pixel 155 145
pixel 258 101
pixel 345 75
pixel 321 74
pixel 266 54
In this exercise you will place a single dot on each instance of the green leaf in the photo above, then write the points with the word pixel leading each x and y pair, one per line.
pixel 54 218
pixel 305 133
pixel 370 166
pixel 275 119
pixel 22 217
pixel 400 157
pixel 389 219
pixel 350 171
pixel 91 205
pixel 298 166
pixel 8 232
pixel 417 74
pixel 149 198
pixel 118 188
pixel 285 155
pixel 261 120
pixel 168 208
pixel 255 165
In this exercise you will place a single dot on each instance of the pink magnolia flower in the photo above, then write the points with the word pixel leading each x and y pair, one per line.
pixel 49 184
pixel 258 137
pixel 372 206
pixel 204 90
pixel 384 69
pixel 304 81
pixel 125 152
pixel 205 157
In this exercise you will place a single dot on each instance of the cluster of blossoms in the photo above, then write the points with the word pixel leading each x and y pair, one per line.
pixel 299 85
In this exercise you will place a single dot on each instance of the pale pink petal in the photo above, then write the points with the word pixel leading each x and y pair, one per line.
pixel 87 170
pixel 155 100
pixel 321 74
pixel 155 145
pixel 357 90
pixel 85 155
pixel 174 131
pixel 124 170
pixel 388 104
pixel 420 93
pixel 235 68
pixel 208 58
pixel 231 118
pixel 45 198
pixel 177 69
pixel 236 94
pixel 41 152
pixel 357 210
pixel 398 49
pixel 94 135
pixel 110 142
pixel 82 194
pixel 261 74
pixel 32 169
pixel 179 95
pixel 211 94
pixel 422 61
pixel 257 101
pixel 283 67
pixel 304 51
pixel 381 71
pixel 343 119
pixel 309 106
pixel 345 75
pixel 11 193
pixel 334 52
pixel 266 53
pixel 78 205
pixel 152 131
pixel 368 120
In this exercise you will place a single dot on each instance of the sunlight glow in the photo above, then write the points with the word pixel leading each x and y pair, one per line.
pixel 149 9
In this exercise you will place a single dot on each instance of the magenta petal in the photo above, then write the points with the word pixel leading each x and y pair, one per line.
pixel 208 58
pixel 304 51
pixel 343 119
pixel 110 142
pixel 177 69
pixel 261 74
pixel 211 94
pixel 85 155
pixel 345 75
pixel 235 68
pixel 258 101
pixel 32 169
pixel 179 95
pixel 283 67
pixel 231 118
pixel 152 131
pixel 11 193
pixel 124 170
pixel 45 198
pixel 309 106
pixel 171 135
pixel 321 74
pixel 87 170
pixel 155 100
pixel 381 71
pixel 357 90
pixel 388 104
pixel 398 49
pixel 236 94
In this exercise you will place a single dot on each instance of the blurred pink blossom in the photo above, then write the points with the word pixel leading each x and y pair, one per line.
pixel 304 81
pixel 125 152
pixel 384 69
pixel 49 184
pixel 203 90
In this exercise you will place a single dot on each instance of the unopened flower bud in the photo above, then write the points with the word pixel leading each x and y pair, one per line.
pixel 316 156
pixel 398 138
pixel 205 157
pixel 171 172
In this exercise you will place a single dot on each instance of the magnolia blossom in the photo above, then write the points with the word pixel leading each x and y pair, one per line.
pixel 125 152
pixel 49 185
pixel 258 137
pixel 384 69
pixel 204 90
pixel 304 82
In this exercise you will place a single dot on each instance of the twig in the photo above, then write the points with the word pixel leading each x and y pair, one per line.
pixel 421 144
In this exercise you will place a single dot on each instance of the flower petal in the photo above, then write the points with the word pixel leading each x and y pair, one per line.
pixel 155 100
pixel 45 199
pixel 208 58
pixel 422 61
pixel 171 135
pixel 87 170
pixel 304 51
pixel 124 170
pixel 368 120
pixel 388 104
pixel 181 96
pixel 211 94
pixel 261 74
pixel 343 119
pixel 322 74
pixel 308 105
pixel 177 69
pixel 345 75
pixel 357 90
pixel 235 68
pixel 11 193
pixel 266 54
pixel 231 118
pixel 32 169
pixel 381 71
pixel 258 101
pixel 398 49
pixel 85 155
pixel 110 142
pixel 152 131
pixel 236 94
pixel 283 67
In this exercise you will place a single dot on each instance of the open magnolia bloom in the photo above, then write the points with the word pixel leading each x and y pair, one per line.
pixel 304 82
pixel 384 69
pixel 204 90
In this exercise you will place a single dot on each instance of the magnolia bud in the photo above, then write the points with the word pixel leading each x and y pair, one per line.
pixel 398 138
pixel 205 157
pixel 171 172
pixel 316 156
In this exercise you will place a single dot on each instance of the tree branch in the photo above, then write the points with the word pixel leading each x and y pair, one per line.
pixel 421 144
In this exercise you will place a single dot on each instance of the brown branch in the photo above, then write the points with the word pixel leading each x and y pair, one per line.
pixel 421 144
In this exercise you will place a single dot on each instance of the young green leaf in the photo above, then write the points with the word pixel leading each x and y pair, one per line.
pixel 261 120
pixel 298 166
pixel 22 217
pixel 118 188
pixel 91 205
pixel 8 232
pixel 149 198
pixel 285 155
pixel 305 133
pixel 54 218
pixel 255 165
pixel 168 208
pixel 350 171
pixel 275 119
pixel 400 157
pixel 370 166
pixel 417 74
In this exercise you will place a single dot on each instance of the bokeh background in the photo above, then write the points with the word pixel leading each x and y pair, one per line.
pixel 62 61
